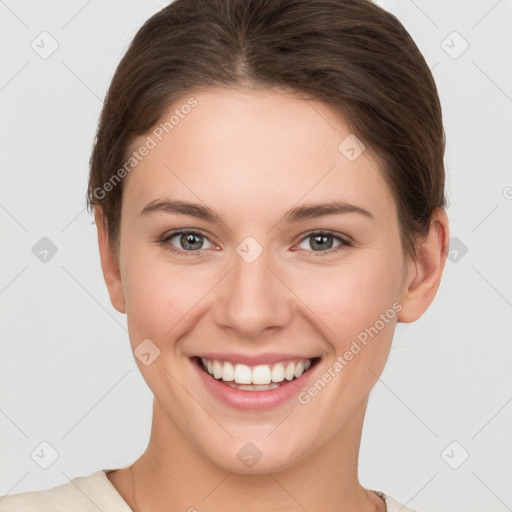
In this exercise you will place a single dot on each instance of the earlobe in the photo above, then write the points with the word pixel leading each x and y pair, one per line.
pixel 109 263
pixel 424 274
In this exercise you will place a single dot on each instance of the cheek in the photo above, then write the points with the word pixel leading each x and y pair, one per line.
pixel 149 294
pixel 353 296
pixel 361 313
pixel 159 294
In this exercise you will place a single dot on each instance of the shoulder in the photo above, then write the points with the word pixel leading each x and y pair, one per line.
pixel 391 504
pixel 84 493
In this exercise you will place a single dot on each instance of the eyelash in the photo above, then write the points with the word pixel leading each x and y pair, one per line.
pixel 165 242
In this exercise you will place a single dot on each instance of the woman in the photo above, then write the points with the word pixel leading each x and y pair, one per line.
pixel 267 182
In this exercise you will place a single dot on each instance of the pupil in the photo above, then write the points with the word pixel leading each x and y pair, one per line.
pixel 190 239
pixel 320 240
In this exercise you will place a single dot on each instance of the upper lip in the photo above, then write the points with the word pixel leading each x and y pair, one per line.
pixel 253 360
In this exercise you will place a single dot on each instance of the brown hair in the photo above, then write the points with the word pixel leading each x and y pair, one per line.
pixel 351 55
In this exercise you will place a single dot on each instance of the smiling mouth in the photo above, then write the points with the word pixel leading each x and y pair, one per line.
pixel 256 378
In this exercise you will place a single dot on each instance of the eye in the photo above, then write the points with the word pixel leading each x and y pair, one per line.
pixel 322 243
pixel 186 240
pixel 189 241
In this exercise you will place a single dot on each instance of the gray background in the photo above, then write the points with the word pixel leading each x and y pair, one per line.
pixel 68 377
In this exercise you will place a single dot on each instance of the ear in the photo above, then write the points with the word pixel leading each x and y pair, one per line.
pixel 109 262
pixel 424 275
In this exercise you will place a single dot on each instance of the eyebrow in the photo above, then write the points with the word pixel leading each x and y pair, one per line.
pixel 297 214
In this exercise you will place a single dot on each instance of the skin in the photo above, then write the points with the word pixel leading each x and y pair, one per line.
pixel 251 156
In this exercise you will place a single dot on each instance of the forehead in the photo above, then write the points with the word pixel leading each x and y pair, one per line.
pixel 261 148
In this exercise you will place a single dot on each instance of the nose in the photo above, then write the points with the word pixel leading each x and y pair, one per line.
pixel 253 299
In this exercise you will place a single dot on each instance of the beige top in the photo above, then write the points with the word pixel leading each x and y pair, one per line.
pixel 96 492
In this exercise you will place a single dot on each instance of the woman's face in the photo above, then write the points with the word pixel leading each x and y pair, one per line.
pixel 254 283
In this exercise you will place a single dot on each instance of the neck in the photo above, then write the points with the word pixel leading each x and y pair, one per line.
pixel 174 473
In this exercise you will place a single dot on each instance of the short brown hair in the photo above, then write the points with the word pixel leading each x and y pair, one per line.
pixel 352 55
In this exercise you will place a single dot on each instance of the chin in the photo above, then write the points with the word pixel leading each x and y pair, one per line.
pixel 255 456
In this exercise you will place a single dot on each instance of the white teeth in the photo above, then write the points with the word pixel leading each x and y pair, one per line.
pixel 299 369
pixel 217 370
pixel 278 373
pixel 289 373
pixel 253 387
pixel 259 376
pixel 228 372
pixel 243 374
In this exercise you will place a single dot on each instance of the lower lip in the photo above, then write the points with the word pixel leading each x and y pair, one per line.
pixel 253 400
